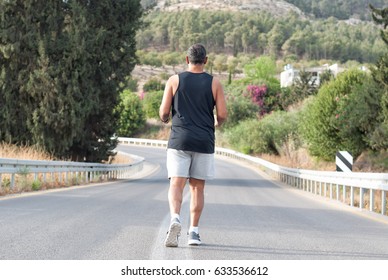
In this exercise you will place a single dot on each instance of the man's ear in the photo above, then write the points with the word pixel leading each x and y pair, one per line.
pixel 205 61
pixel 187 60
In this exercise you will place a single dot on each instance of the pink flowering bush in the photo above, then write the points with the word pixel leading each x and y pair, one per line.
pixel 264 98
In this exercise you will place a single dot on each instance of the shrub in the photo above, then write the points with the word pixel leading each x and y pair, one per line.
pixel 321 124
pixel 132 117
pixel 36 185
pixel 151 104
pixel 239 108
pixel 153 84
pixel 267 135
pixel 359 116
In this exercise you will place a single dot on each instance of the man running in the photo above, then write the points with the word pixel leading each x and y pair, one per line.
pixel 192 97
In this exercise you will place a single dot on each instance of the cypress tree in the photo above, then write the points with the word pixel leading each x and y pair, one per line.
pixel 62 63
pixel 18 47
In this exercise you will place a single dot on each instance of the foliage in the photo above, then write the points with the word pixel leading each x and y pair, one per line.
pixel 302 88
pixel 260 33
pixel 380 74
pixel 151 103
pixel 358 115
pixel 320 125
pixel 149 58
pixel 380 16
pixel 239 108
pixel 305 85
pixel 62 65
pixel 263 87
pixel 131 84
pixel 261 70
pixel 257 95
pixel 341 9
pixel 153 84
pixel 132 116
pixel 267 135
pixel 36 185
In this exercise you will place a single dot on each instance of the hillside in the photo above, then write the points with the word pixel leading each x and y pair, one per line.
pixel 340 9
pixel 272 6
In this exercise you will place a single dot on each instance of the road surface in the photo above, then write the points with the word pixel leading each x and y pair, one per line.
pixel 246 216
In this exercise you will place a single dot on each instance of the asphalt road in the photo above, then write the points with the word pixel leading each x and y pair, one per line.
pixel 246 216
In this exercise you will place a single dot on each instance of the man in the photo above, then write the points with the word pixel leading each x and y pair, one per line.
pixel 192 97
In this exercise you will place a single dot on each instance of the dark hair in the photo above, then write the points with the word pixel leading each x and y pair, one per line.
pixel 196 54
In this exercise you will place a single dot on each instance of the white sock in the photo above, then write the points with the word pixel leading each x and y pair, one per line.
pixel 195 229
pixel 173 216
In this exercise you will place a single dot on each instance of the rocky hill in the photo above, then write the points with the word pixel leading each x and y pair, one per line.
pixel 340 9
pixel 276 7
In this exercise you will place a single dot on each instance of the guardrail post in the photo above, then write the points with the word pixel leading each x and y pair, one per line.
pixel 383 202
pixel 344 194
pixel 331 190
pixel 371 199
pixel 324 189
pixel 351 196
pixel 12 180
pixel 361 198
pixel 52 179
pixel 338 195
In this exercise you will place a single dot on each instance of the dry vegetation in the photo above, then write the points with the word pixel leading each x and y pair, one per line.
pixel 26 182
pixel 23 152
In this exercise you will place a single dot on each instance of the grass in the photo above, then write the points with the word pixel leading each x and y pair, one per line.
pixel 23 152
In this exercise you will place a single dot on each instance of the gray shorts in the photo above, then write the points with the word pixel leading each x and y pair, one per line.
pixel 190 164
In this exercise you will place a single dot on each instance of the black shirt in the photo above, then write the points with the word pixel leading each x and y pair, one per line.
pixel 192 114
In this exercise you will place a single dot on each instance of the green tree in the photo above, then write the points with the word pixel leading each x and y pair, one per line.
pixel 262 71
pixel 304 86
pixel 19 33
pixel 132 116
pixel 320 125
pixel 379 137
pixel 220 63
pixel 67 61
pixel 358 115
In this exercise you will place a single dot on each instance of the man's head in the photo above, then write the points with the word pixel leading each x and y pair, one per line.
pixel 196 54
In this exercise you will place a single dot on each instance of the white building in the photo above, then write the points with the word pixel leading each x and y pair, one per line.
pixel 289 75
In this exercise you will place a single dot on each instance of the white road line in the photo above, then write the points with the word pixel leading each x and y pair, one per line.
pixel 159 251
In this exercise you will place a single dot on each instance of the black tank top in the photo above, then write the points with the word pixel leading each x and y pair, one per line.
pixel 192 114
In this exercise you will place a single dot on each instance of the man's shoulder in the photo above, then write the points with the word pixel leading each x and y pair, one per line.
pixel 174 78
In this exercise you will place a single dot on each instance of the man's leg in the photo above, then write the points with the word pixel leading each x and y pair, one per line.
pixel 175 194
pixel 197 200
pixel 196 206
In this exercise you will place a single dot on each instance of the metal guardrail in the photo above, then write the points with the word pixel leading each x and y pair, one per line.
pixel 64 172
pixel 357 189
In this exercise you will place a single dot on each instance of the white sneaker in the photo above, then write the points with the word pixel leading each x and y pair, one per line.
pixel 173 233
pixel 194 238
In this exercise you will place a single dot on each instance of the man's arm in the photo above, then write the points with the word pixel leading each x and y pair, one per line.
pixel 219 97
pixel 165 106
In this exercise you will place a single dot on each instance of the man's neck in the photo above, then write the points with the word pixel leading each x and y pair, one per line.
pixel 196 68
